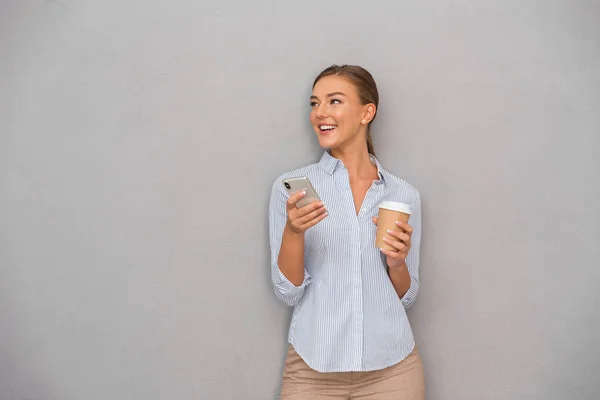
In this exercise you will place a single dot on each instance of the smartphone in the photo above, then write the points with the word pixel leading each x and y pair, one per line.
pixel 295 185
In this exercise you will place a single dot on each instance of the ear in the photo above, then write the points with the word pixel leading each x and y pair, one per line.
pixel 368 113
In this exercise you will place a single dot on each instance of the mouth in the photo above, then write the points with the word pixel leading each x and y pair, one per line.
pixel 326 129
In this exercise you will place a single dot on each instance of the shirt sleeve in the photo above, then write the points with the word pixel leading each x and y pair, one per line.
pixel 412 259
pixel 285 290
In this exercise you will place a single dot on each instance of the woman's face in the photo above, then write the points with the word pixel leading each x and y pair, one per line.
pixel 337 115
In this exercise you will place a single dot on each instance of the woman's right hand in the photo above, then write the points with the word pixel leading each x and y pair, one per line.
pixel 300 219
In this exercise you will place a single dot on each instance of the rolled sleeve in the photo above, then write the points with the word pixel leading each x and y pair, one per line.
pixel 285 290
pixel 411 295
pixel 412 260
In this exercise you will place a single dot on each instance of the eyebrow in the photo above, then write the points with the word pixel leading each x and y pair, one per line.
pixel 329 95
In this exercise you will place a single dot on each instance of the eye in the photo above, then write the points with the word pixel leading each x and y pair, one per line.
pixel 313 103
pixel 335 101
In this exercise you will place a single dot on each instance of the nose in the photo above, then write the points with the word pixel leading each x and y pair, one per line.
pixel 322 111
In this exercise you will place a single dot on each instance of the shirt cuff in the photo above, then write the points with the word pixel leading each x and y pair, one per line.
pixel 288 287
pixel 409 297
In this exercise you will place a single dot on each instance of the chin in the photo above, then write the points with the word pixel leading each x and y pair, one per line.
pixel 327 144
pixel 327 141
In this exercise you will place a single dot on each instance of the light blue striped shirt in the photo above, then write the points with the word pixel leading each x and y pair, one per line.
pixel 347 315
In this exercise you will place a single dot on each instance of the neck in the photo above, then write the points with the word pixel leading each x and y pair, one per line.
pixel 357 161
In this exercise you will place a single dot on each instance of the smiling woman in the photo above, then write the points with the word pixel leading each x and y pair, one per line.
pixel 349 336
pixel 347 90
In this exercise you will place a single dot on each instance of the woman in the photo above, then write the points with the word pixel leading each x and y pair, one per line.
pixel 349 335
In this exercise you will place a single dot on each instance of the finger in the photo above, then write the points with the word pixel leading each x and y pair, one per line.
pixel 307 209
pixel 314 221
pixel 297 213
pixel 375 219
pixel 312 215
pixel 405 227
pixel 393 254
pixel 404 237
pixel 294 198
pixel 395 244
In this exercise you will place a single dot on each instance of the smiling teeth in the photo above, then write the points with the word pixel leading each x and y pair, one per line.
pixel 327 127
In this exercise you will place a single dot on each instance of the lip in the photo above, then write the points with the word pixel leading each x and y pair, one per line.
pixel 327 132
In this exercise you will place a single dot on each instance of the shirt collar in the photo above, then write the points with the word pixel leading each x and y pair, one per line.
pixel 330 164
pixel 380 170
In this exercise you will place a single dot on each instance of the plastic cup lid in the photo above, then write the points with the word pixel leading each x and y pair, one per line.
pixel 395 206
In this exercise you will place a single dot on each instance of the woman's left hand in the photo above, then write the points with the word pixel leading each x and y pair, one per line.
pixel 399 239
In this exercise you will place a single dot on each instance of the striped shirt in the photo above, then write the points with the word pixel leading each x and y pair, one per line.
pixel 347 315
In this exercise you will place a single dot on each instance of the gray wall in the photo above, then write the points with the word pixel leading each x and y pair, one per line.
pixel 139 140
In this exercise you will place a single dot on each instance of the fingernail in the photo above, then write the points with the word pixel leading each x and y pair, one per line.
pixel 389 231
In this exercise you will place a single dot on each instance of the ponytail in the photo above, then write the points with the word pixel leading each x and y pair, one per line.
pixel 370 142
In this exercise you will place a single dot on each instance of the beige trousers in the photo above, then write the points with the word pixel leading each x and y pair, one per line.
pixel 403 381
